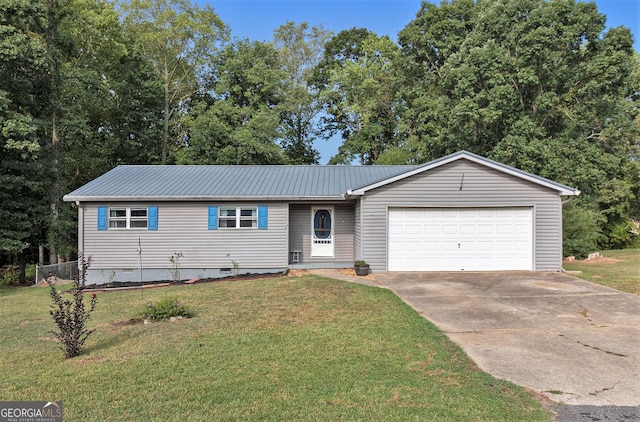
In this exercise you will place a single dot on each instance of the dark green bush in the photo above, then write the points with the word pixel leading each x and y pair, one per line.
pixel 165 309
pixel 581 229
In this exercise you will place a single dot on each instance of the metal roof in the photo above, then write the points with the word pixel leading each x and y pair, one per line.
pixel 201 182
pixel 198 182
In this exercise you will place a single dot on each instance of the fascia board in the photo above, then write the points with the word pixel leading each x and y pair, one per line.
pixel 196 198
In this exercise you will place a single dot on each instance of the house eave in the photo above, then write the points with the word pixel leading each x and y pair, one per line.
pixel 200 198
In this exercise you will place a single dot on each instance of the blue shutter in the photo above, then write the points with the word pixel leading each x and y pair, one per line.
pixel 213 218
pixel 102 218
pixel 263 214
pixel 152 218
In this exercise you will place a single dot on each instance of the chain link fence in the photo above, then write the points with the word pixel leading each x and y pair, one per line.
pixel 64 271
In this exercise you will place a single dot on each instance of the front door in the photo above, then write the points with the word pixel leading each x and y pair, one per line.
pixel 322 231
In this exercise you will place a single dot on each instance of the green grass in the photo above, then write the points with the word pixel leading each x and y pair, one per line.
pixel 620 269
pixel 293 348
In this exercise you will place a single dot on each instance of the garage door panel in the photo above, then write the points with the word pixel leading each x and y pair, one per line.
pixel 446 213
pixel 485 246
pixel 507 212
pixel 460 239
pixel 468 229
pixel 488 213
pixel 504 229
pixel 467 214
pixel 431 228
pixel 484 228
pixel 503 246
pixel 413 246
pixel 520 246
pixel 521 229
pixel 449 246
pixel 431 246
pixel 449 228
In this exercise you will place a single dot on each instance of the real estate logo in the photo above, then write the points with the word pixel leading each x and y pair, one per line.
pixel 30 411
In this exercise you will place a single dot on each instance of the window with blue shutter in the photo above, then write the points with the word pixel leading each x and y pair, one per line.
pixel 213 218
pixel 102 218
pixel 153 218
pixel 263 217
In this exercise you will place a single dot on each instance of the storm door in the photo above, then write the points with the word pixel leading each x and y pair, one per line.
pixel 322 232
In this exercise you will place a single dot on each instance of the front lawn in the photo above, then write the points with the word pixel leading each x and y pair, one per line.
pixel 292 348
pixel 619 269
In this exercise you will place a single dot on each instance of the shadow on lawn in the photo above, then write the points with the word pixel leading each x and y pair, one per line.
pixel 114 335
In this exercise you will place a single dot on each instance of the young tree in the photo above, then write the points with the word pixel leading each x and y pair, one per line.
pixel 300 49
pixel 71 316
pixel 180 39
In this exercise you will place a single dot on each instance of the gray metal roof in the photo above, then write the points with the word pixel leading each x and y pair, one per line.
pixel 197 182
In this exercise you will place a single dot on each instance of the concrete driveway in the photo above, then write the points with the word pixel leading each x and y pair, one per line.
pixel 573 341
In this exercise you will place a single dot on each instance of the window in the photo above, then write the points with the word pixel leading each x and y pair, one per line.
pixel 238 217
pixel 128 218
pixel 118 218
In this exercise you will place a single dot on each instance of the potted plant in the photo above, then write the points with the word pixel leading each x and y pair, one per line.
pixel 361 267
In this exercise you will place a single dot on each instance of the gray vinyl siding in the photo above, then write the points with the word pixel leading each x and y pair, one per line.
pixel 357 231
pixel 300 233
pixel 183 228
pixel 481 187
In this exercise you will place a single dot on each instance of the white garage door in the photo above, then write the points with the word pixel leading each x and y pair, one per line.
pixel 460 239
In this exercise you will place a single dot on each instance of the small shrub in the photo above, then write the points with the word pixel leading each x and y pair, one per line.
pixel 71 315
pixel 165 309
pixel 175 265
pixel 9 275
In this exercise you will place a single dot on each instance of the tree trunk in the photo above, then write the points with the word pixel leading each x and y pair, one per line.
pixel 41 255
pixel 54 101
pixel 53 254
pixel 166 115
pixel 165 135
pixel 54 195
pixel 22 273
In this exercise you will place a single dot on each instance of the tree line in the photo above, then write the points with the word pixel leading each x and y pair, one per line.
pixel 87 85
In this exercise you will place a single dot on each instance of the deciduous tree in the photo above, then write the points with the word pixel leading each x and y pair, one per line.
pixel 23 74
pixel 300 49
pixel 356 84
pixel 536 84
pixel 238 120
pixel 181 40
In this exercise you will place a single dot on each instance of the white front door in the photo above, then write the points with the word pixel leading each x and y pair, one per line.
pixel 321 231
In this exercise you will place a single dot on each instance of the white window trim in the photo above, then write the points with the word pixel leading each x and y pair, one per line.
pixel 238 217
pixel 128 218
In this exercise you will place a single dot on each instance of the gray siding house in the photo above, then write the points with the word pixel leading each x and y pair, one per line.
pixel 462 212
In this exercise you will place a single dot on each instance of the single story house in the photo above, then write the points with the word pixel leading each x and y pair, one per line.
pixel 462 212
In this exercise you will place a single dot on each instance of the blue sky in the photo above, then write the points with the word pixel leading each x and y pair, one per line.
pixel 256 20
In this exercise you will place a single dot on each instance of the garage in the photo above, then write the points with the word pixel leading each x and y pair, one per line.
pixel 460 239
